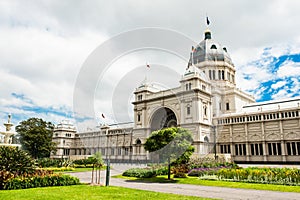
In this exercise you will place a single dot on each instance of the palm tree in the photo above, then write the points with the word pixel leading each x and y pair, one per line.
pixel 97 163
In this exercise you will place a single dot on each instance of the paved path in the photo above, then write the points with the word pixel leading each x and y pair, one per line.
pixel 191 190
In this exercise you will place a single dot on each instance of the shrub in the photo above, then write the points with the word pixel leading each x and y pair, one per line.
pixel 83 166
pixel 286 176
pixel 208 162
pixel 40 181
pixel 4 177
pixel 148 172
pixel 140 172
pixel 180 175
pixel 183 168
pixel 86 162
pixel 15 161
pixel 205 171
pixel 48 162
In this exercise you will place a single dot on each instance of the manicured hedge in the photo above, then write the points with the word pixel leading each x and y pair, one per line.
pixel 40 181
pixel 285 176
pixel 146 172
pixel 140 173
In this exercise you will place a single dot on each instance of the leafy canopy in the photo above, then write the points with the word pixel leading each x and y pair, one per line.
pixel 15 161
pixel 172 144
pixel 36 137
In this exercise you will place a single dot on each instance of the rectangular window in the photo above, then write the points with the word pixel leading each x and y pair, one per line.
pixel 288 147
pixel 119 151
pixel 228 76
pixel 188 110
pixel 240 149
pixel 294 148
pixel 126 151
pixel 140 97
pixel 112 151
pixel 227 106
pixel 270 148
pixel 252 149
pixel 139 117
pixel 209 72
pixel 244 149
pixel 261 149
pixel 225 148
pixel 228 147
pixel 66 152
pixel 274 149
pixel 278 148
pixel 256 149
pixel 214 74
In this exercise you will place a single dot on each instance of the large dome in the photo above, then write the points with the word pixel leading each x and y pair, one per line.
pixel 210 50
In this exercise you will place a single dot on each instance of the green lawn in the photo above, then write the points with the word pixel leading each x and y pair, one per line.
pixel 196 181
pixel 81 169
pixel 87 192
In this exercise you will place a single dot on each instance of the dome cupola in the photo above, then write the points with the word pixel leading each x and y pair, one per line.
pixel 210 50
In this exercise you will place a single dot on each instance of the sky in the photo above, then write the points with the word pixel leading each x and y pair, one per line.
pixel 45 46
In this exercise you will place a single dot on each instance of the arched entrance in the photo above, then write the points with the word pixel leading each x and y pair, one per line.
pixel 163 118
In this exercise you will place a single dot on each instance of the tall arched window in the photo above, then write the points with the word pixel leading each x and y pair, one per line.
pixel 138 146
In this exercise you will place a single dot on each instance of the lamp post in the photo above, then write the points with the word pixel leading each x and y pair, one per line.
pixel 215 142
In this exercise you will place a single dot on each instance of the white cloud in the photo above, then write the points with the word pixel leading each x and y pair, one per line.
pixel 289 68
pixel 44 43
pixel 278 84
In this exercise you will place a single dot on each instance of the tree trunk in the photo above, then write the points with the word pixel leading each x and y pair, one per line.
pixel 169 169
pixel 92 174
pixel 99 174
pixel 96 174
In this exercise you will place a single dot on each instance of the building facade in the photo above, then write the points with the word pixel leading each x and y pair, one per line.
pixel 208 104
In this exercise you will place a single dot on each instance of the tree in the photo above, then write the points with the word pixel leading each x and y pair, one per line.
pixel 171 145
pixel 36 137
pixel 15 161
pixel 97 161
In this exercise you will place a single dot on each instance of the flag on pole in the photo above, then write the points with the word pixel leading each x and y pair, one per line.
pixel 147 64
pixel 103 116
pixel 193 49
pixel 207 21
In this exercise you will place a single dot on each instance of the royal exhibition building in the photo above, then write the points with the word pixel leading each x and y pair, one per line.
pixel 207 103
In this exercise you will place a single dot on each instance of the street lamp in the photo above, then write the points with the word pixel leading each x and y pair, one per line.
pixel 215 142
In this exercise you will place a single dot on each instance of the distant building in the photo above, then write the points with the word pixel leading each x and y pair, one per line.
pixel 207 103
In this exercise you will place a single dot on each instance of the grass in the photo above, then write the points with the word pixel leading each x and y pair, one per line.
pixel 197 181
pixel 87 192
pixel 84 169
